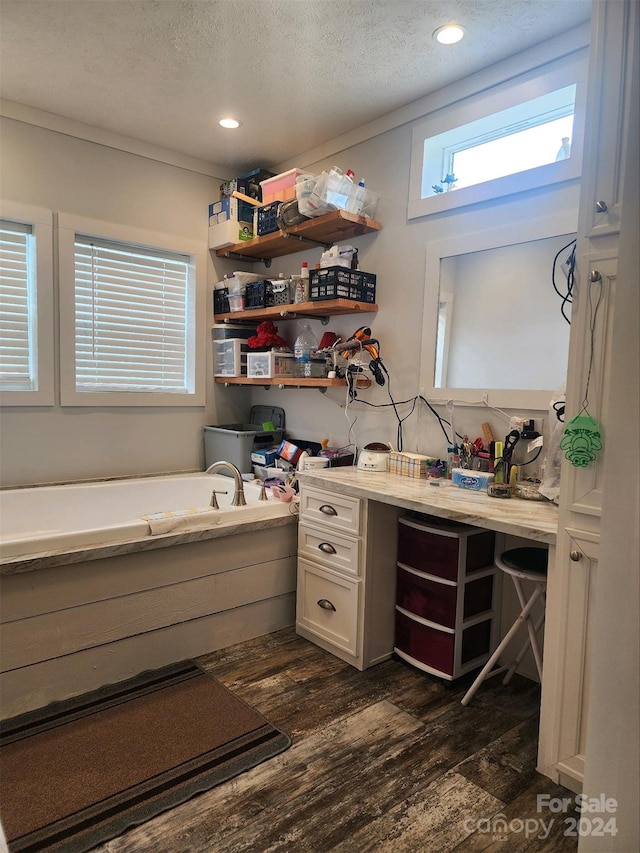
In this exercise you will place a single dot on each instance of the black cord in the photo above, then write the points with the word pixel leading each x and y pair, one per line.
pixel 529 461
pixel 440 420
pixel 567 298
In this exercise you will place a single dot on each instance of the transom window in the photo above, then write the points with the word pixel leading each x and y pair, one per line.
pixel 527 136
pixel 505 137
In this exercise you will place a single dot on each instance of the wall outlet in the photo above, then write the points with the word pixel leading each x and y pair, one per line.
pixel 516 423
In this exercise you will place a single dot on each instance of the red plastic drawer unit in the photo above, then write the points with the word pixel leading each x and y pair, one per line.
pixel 446 596
pixel 438 602
pixel 437 649
pixel 439 551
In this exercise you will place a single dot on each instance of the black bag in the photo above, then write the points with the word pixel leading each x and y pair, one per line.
pixel 289 215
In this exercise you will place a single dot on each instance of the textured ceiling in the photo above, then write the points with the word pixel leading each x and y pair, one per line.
pixel 295 72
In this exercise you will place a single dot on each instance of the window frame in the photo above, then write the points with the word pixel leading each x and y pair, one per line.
pixel 40 219
pixel 524 87
pixel 68 227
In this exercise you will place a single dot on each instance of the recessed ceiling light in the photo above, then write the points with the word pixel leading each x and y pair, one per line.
pixel 229 122
pixel 449 33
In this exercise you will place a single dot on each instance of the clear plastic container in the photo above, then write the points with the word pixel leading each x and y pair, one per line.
pixel 304 351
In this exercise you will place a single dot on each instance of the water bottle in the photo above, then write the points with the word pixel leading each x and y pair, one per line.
pixel 306 344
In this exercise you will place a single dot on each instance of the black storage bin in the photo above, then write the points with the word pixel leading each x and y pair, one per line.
pixel 221 301
pixel 342 283
pixel 267 221
pixel 266 294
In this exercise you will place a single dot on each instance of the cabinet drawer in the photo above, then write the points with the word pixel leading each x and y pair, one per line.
pixel 436 649
pixel 438 602
pixel 340 553
pixel 327 605
pixel 327 509
pixel 444 552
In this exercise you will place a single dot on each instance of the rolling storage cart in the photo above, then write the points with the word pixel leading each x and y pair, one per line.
pixel 447 596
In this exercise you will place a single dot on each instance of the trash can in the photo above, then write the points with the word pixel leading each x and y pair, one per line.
pixel 235 442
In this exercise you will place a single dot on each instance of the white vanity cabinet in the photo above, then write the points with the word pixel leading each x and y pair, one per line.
pixel 346 575
pixel 573 575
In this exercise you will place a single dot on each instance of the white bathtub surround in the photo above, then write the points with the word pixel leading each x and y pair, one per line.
pixel 39 525
pixel 84 615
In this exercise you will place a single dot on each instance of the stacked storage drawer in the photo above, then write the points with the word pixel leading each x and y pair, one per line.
pixel 447 599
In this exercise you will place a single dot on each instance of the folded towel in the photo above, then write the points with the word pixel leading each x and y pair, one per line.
pixel 183 519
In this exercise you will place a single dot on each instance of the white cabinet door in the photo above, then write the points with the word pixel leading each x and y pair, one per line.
pixel 588 382
pixel 328 607
pixel 573 572
pixel 607 119
pixel 567 645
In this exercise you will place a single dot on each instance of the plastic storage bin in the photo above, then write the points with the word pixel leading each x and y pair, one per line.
pixel 266 218
pixel 236 442
pixel 280 187
pixel 267 293
pixel 230 357
pixel 341 283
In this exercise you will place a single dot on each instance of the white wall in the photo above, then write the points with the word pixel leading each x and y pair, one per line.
pixel 50 169
pixel 53 170
pixel 397 255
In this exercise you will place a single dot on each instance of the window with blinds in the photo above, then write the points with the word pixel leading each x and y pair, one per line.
pixel 133 312
pixel 18 338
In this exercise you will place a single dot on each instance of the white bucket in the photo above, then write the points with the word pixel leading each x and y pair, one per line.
pixel 312 462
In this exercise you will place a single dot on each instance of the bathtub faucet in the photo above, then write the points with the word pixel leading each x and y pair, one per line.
pixel 238 495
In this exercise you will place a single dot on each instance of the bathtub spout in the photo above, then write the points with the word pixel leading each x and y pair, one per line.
pixel 238 495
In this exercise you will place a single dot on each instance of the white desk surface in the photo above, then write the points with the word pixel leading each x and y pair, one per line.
pixel 529 519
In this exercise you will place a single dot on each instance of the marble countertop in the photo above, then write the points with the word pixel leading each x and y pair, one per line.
pixel 536 520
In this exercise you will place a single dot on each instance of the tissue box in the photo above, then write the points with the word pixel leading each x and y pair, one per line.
pixel 467 479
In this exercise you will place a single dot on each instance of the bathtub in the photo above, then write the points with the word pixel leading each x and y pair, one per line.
pixel 90 597
pixel 44 519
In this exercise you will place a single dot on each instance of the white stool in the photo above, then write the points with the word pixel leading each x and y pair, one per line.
pixel 522 564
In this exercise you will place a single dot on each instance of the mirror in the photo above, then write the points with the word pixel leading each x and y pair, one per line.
pixel 493 323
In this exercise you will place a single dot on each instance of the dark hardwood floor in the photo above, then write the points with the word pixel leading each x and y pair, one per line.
pixel 382 760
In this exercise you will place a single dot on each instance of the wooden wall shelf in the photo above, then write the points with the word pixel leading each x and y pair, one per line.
pixel 317 309
pixel 324 230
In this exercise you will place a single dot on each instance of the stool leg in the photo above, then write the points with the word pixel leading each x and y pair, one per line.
pixel 502 645
pixel 533 640
pixel 516 663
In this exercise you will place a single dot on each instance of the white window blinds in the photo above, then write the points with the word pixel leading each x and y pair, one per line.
pixel 18 357
pixel 132 309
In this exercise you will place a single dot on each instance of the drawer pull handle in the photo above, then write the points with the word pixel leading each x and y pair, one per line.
pixel 326 604
pixel 327 509
pixel 327 547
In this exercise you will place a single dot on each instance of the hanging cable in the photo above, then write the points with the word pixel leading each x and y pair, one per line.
pixel 567 296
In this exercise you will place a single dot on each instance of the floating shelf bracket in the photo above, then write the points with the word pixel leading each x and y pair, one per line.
pixel 293 315
pixel 239 256
pixel 302 239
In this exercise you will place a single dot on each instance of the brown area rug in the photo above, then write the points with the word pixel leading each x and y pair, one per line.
pixel 79 772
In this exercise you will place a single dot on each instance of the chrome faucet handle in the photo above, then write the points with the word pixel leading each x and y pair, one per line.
pixel 214 499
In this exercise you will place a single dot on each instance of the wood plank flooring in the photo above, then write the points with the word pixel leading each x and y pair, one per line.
pixel 382 760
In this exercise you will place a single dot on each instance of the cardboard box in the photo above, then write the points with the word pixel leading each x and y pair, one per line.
pixel 230 209
pixel 229 233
